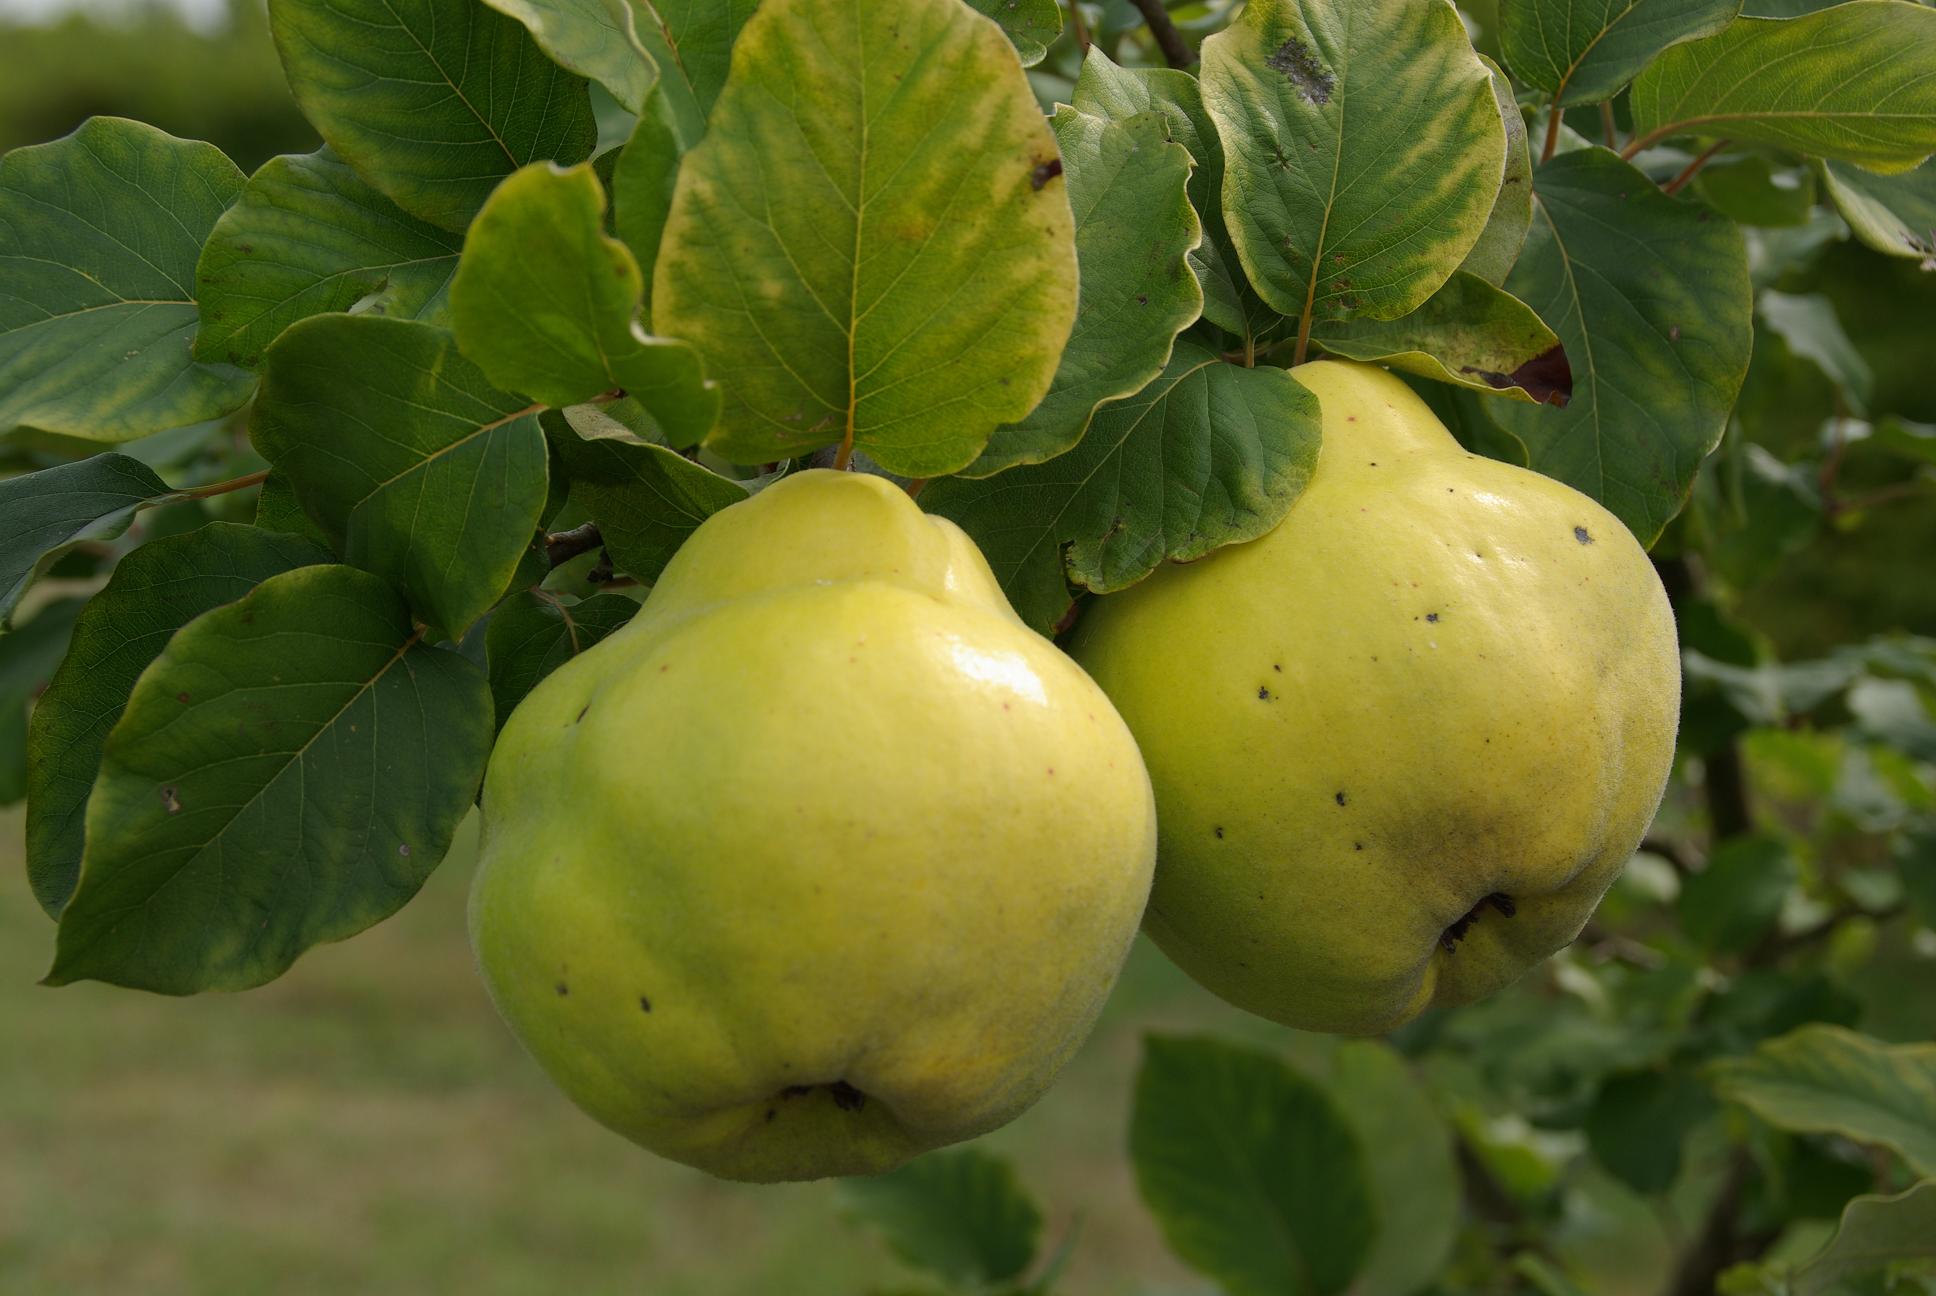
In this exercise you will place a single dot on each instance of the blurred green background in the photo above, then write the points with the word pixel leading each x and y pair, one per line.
pixel 366 1124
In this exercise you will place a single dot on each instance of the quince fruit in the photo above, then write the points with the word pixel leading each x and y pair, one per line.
pixel 824 860
pixel 1403 743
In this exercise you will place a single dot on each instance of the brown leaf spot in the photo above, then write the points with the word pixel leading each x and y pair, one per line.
pixel 1045 172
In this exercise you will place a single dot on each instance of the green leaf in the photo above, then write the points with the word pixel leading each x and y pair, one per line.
pixel 278 509
pixel 1106 90
pixel 1856 81
pixel 1640 1120
pixel 419 469
pixel 1134 228
pixel 28 657
pixel 594 38
pixel 44 514
pixel 1735 900
pixel 1650 298
pixel 1875 1232
pixel 432 101
pixel 1209 454
pixel 1032 25
pixel 1584 51
pixel 1807 323
pixel 287 772
pixel 1468 333
pixel 1913 441
pixel 1824 1079
pixel 642 185
pixel 98 238
pixel 961 1215
pixel 546 304
pixel 1498 247
pixel 1250 1169
pixel 872 238
pixel 1363 150
pixel 645 498
pixel 1752 191
pixel 1892 214
pixel 1409 1166
pixel 153 592
pixel 308 237
pixel 532 634
pixel 693 45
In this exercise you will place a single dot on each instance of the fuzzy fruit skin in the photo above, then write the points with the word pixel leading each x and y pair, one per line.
pixel 825 821
pixel 1439 679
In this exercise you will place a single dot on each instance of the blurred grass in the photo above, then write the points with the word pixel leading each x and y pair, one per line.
pixel 366 1124
pixel 226 87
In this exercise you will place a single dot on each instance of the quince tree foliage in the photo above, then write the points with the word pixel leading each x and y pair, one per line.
pixel 1434 435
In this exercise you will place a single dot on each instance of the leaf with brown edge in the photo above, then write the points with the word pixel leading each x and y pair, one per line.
pixel 1469 333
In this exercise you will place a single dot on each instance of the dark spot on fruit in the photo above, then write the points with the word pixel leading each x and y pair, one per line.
pixel 645 1005
pixel 846 1097
pixel 1431 616
pixel 1357 845
pixel 563 989
pixel 1045 172
pixel 583 713
pixel 795 1091
pixel 1277 667
pixel 1263 694
pixel 1218 832
pixel 1580 534
pixel 1338 797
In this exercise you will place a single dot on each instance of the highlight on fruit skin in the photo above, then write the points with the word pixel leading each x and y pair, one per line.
pixel 823 861
pixel 1402 744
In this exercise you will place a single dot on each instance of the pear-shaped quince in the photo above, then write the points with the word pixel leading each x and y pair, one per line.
pixel 824 860
pixel 1401 744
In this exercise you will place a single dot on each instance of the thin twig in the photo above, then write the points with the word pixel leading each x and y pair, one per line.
pixel 1606 124
pixel 1679 182
pixel 1778 945
pixel 563 546
pixel 223 488
pixel 1720 1242
pixel 1079 26
pixel 914 486
pixel 1554 116
pixel 1176 50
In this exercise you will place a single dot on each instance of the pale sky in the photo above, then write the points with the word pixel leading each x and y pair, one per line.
pixel 199 13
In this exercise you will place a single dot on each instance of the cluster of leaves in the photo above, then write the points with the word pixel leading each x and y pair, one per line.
pixel 407 421
pixel 1344 1168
